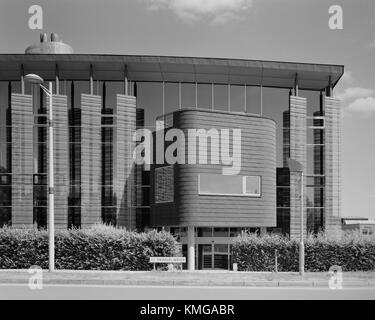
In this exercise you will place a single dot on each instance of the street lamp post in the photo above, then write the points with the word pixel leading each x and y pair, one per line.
pixel 35 79
pixel 295 166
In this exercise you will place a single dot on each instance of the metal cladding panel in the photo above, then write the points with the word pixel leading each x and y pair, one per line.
pixel 333 140
pixel 125 169
pixel 22 160
pixel 60 158
pixel 91 159
pixel 258 158
pixel 297 121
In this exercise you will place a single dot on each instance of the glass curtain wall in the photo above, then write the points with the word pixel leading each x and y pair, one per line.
pixel 74 89
pixel 275 105
pixel 5 156
pixel 109 90
pixel 157 98
pixel 40 158
pixel 315 175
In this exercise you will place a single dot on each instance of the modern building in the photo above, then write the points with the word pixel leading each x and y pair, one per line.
pixel 362 226
pixel 284 110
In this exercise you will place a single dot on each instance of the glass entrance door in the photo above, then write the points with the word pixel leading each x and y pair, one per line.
pixel 221 256
pixel 207 261
pixel 215 256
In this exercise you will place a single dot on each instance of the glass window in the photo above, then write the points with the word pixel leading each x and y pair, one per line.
pixel 74 217
pixel 237 98
pixel 171 97
pixel 235 232
pixel 40 195
pixel 40 217
pixel 220 184
pixel 283 220
pixel 145 196
pixel 143 219
pixel 204 93
pixel 146 178
pixel 5 179
pixel 217 184
pixel 188 95
pixel 314 220
pixel 282 177
pixel 80 87
pixel 150 98
pixel 221 232
pixel 5 196
pixel 253 99
pixel 204 232
pixel 365 231
pixel 276 106
pixel 109 216
pixel 5 144
pixel 221 256
pixel 313 101
pixel 74 198
pixel 314 197
pixel 315 157
pixel 283 196
pixel 112 88
pixel 5 216
pixel 221 97
pixel 108 196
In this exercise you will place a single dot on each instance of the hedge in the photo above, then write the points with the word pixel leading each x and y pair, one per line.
pixel 96 248
pixel 351 253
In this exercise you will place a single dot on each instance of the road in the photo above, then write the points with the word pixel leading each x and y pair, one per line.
pixel 21 291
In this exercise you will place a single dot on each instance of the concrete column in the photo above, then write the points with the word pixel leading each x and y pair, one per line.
pixel 191 248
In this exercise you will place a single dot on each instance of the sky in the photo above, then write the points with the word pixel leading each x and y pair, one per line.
pixel 286 30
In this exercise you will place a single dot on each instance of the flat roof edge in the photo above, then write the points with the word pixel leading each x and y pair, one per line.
pixel 158 57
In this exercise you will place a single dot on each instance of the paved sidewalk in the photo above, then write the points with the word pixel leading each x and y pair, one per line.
pixel 188 278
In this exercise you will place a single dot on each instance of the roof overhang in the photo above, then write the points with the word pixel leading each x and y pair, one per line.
pixel 172 69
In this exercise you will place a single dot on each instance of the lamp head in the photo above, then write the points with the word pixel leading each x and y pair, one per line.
pixel 34 78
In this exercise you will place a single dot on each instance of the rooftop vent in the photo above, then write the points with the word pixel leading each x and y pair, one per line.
pixel 54 46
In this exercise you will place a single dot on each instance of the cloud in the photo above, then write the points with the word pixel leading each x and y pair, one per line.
pixel 215 11
pixel 347 77
pixel 363 105
pixel 354 93
pixel 358 100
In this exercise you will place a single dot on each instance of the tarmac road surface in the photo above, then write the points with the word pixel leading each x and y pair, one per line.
pixel 71 291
